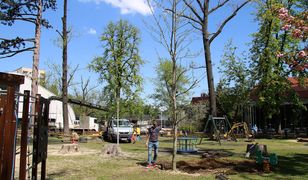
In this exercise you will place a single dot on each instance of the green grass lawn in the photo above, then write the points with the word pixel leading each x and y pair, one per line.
pixel 90 164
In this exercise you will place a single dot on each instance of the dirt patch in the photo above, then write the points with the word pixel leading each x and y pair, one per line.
pixel 56 150
pixel 292 140
pixel 112 150
pixel 214 165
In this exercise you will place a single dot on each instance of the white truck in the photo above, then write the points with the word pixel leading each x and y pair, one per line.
pixel 86 123
pixel 125 130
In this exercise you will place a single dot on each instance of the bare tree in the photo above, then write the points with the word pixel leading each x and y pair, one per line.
pixel 199 17
pixel 54 82
pixel 64 71
pixel 64 42
pixel 54 77
pixel 86 94
pixel 171 32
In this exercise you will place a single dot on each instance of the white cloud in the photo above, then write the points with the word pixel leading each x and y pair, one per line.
pixel 91 31
pixel 126 6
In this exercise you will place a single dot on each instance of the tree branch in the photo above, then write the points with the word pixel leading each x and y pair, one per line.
pixel 32 20
pixel 29 39
pixel 13 53
pixel 71 75
pixel 200 5
pixel 162 34
pixel 192 24
pixel 218 6
pixel 193 10
pixel 227 20
pixel 188 89
pixel 60 34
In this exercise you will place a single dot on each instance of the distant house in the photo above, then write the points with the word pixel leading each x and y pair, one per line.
pixel 203 99
pixel 197 111
pixel 288 116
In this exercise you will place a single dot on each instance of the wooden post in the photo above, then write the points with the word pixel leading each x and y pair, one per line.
pixel 2 119
pixel 45 124
pixel 35 140
pixel 9 138
pixel 8 125
pixel 24 136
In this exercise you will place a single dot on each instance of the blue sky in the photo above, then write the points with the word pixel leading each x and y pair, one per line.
pixel 88 18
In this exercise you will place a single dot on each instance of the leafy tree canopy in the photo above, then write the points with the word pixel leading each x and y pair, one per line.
pixel 120 62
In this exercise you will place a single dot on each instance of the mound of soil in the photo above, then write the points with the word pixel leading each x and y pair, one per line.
pixel 215 165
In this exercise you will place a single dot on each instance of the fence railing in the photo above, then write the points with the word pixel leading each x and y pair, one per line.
pixel 23 141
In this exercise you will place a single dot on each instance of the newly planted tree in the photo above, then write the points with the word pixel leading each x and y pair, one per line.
pixel 120 63
pixel 171 32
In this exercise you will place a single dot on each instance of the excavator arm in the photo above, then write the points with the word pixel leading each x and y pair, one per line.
pixel 237 125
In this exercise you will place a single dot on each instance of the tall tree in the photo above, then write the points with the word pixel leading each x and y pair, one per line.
pixel 25 11
pixel 64 70
pixel 171 32
pixel 119 66
pixel 271 71
pixel 199 17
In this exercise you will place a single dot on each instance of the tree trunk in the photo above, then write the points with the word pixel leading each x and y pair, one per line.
pixel 118 116
pixel 174 119
pixel 83 119
pixel 208 65
pixel 36 54
pixel 174 41
pixel 64 71
pixel 175 140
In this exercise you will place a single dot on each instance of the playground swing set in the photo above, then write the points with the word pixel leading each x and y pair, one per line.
pixel 221 125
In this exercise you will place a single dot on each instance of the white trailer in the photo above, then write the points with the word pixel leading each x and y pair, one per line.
pixel 87 123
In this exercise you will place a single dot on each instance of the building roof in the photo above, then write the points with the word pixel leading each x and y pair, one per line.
pixel 300 89
pixel 200 100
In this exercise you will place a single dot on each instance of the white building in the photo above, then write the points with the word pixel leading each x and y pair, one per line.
pixel 55 107
pixel 28 73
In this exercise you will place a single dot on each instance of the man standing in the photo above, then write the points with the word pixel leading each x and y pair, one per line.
pixel 152 143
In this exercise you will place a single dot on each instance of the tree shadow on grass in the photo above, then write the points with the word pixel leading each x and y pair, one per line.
pixel 166 140
pixel 294 165
pixel 56 174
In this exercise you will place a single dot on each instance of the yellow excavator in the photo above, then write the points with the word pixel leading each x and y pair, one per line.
pixel 237 126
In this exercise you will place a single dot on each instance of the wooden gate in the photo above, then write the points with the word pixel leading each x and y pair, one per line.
pixel 28 142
